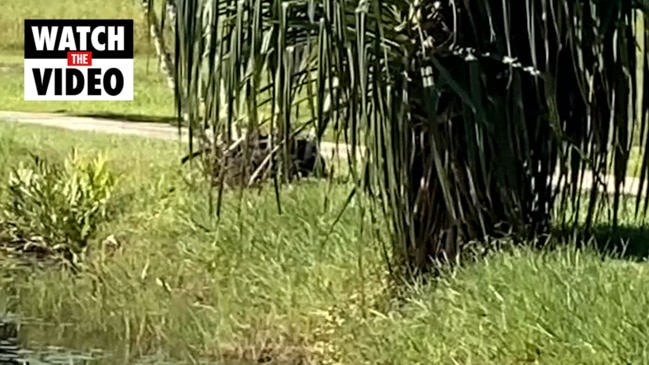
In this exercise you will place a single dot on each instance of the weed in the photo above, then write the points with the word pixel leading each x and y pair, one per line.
pixel 55 208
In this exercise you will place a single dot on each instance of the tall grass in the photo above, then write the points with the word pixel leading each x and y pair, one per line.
pixel 258 286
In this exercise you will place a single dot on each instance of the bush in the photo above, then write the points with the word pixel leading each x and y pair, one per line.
pixel 56 208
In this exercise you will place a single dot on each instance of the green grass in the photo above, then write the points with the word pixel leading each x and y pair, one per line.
pixel 13 13
pixel 185 286
pixel 635 162
pixel 235 285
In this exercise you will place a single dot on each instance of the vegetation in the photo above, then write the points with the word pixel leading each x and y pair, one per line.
pixel 260 286
pixel 462 133
pixel 464 128
pixel 55 208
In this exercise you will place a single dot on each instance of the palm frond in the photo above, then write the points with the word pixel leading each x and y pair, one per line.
pixel 477 119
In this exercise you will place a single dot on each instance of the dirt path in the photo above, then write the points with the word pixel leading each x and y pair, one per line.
pixel 168 132
pixel 100 125
pixel 147 130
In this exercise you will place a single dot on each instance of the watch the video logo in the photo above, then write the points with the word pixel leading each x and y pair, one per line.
pixel 79 59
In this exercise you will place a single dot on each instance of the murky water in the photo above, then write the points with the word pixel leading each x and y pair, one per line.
pixel 9 344
pixel 13 352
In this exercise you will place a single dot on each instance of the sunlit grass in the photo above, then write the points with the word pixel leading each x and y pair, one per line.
pixel 13 13
pixel 262 284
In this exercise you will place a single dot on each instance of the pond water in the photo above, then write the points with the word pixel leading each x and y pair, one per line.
pixel 13 351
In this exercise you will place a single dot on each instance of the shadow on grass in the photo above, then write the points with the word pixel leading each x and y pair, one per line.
pixel 626 242
pixel 135 118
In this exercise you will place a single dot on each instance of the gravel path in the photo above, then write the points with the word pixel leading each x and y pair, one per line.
pixel 168 132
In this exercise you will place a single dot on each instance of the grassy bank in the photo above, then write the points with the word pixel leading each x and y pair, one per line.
pixel 283 287
pixel 182 284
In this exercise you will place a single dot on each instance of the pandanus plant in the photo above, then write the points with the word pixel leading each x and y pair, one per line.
pixel 476 119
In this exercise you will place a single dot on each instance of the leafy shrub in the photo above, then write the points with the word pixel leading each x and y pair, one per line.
pixel 56 208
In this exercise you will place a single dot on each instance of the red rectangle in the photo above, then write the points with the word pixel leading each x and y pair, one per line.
pixel 79 58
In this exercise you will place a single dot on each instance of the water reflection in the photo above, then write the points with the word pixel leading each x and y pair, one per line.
pixel 9 350
pixel 15 352
pixel 12 352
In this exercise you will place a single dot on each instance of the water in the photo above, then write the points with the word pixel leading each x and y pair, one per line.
pixel 13 352
pixel 9 349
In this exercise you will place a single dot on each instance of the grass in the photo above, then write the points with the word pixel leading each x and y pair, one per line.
pixel 264 285
pixel 635 162
pixel 11 18
pixel 229 284
pixel 284 286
